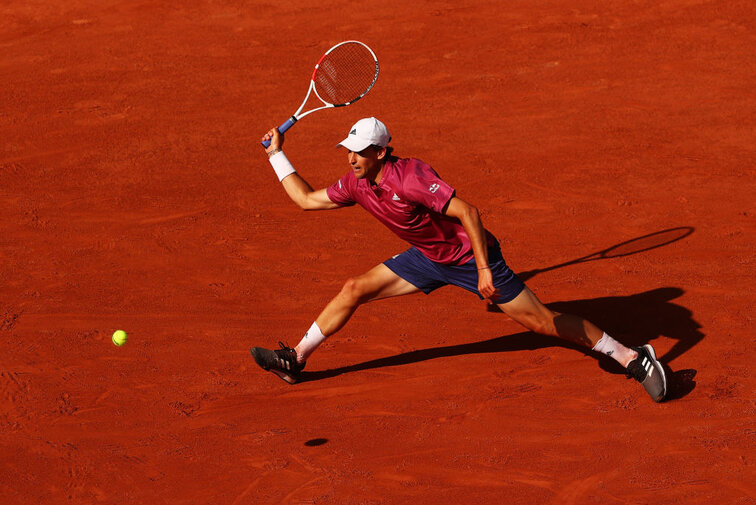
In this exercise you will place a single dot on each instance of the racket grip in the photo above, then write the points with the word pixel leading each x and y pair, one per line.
pixel 282 129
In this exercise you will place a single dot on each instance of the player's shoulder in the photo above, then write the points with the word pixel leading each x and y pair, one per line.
pixel 346 182
pixel 413 170
pixel 415 177
pixel 348 178
pixel 408 162
pixel 408 167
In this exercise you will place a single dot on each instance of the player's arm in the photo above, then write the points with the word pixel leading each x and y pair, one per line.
pixel 303 195
pixel 296 187
pixel 470 219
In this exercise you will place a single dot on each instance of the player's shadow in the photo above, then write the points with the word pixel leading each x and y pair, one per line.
pixel 634 320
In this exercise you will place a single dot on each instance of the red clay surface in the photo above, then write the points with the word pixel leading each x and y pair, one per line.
pixel 134 195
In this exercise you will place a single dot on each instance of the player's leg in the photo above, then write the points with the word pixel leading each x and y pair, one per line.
pixel 641 362
pixel 379 282
pixel 528 310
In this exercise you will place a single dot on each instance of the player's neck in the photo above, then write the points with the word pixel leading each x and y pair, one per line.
pixel 376 179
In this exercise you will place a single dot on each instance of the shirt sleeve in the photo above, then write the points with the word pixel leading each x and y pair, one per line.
pixel 424 186
pixel 340 191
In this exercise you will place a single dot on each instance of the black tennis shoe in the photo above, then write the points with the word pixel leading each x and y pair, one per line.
pixel 282 362
pixel 647 370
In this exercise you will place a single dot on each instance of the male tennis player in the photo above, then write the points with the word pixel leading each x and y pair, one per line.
pixel 449 246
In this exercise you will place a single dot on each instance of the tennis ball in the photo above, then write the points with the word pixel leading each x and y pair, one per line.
pixel 120 337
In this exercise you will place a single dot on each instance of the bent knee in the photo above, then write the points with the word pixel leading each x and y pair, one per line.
pixel 355 291
pixel 542 323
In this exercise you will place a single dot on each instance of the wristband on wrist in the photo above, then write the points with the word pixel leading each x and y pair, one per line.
pixel 274 151
pixel 281 165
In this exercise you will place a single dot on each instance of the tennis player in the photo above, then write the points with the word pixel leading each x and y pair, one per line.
pixel 449 246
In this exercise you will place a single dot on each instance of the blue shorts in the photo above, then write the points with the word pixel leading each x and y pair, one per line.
pixel 427 275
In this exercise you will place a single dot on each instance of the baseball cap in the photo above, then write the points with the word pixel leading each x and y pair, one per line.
pixel 366 132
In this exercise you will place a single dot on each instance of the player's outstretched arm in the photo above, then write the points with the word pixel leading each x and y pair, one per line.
pixel 470 219
pixel 296 187
pixel 303 195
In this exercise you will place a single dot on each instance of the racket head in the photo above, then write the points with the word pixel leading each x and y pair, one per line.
pixel 345 73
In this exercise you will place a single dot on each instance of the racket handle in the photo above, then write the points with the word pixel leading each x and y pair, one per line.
pixel 282 129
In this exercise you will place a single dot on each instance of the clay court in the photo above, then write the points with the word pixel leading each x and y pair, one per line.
pixel 134 195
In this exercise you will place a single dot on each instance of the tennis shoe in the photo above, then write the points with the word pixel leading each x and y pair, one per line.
pixel 647 370
pixel 282 362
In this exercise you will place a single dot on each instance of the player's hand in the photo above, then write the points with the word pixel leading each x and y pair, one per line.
pixel 276 139
pixel 485 285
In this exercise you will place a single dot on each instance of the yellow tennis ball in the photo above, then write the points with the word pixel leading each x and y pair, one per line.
pixel 120 338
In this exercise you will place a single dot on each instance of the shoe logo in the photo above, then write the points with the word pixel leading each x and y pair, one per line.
pixel 395 198
pixel 283 364
pixel 433 188
pixel 353 132
pixel 648 366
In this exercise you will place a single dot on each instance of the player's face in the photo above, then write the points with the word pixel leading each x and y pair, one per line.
pixel 366 163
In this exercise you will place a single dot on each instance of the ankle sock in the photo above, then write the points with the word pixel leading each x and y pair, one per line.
pixel 607 345
pixel 311 340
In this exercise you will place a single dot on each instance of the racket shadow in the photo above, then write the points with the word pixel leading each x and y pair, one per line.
pixel 638 319
pixel 627 248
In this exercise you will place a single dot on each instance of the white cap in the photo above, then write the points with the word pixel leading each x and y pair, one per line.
pixel 366 132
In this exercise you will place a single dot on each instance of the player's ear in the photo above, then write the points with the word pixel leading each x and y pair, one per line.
pixel 380 152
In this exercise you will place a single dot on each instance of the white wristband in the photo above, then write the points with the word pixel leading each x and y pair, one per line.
pixel 281 165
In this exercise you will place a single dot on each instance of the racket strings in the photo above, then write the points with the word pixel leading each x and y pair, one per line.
pixel 345 74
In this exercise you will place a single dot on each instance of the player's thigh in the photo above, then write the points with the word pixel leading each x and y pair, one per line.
pixel 528 310
pixel 381 282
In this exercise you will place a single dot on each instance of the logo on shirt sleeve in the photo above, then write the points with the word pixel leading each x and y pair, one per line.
pixel 395 197
pixel 433 188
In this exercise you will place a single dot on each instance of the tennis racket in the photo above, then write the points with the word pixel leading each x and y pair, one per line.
pixel 344 74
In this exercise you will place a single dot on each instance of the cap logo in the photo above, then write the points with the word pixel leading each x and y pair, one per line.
pixel 353 132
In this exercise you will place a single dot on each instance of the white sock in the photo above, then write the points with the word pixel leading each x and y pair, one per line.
pixel 607 345
pixel 311 340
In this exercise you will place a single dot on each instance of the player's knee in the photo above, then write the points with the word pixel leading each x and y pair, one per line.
pixel 542 324
pixel 353 291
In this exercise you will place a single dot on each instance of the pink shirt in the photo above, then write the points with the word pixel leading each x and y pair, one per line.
pixel 410 201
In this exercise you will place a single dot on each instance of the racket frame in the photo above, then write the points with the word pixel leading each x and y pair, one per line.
pixel 326 105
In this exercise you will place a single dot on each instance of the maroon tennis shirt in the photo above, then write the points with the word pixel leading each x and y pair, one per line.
pixel 410 200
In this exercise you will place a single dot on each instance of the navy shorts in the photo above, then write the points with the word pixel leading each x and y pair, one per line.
pixel 427 275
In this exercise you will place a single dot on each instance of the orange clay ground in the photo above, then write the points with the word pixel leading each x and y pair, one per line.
pixel 134 195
